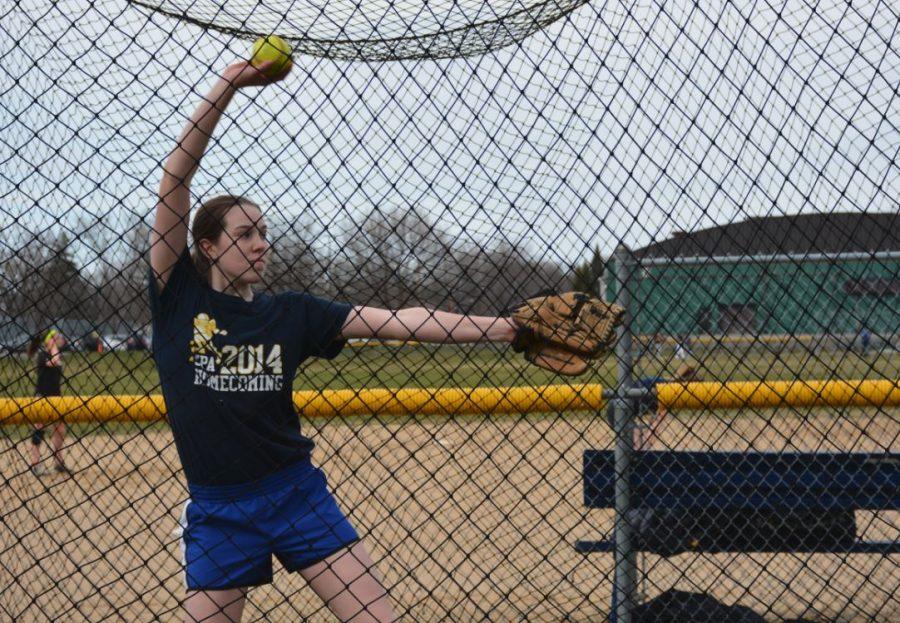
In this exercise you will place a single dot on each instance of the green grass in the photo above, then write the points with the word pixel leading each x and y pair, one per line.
pixel 449 366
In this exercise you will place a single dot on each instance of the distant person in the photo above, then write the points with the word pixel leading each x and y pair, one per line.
pixel 865 340
pixel 48 359
pixel 682 348
pixel 650 414
pixel 658 342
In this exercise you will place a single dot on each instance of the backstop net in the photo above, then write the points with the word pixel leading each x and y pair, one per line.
pixel 726 170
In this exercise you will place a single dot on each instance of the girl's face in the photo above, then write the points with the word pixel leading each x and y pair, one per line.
pixel 241 250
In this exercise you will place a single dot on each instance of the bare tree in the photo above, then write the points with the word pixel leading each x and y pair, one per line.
pixel 480 280
pixel 295 263
pixel 397 258
pixel 43 283
pixel 394 259
pixel 120 290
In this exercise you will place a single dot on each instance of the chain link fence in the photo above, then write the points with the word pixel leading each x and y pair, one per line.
pixel 726 170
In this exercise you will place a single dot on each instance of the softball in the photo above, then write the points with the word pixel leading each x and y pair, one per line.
pixel 271 48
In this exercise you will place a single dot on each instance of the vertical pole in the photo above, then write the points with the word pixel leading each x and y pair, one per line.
pixel 623 426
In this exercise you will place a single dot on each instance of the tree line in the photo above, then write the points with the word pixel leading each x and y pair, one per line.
pixel 388 259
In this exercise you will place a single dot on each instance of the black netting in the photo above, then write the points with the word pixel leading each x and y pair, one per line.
pixel 725 171
pixel 392 31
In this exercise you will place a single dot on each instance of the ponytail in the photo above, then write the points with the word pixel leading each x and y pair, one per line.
pixel 33 344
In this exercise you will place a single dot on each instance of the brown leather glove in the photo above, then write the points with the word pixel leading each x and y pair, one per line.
pixel 563 332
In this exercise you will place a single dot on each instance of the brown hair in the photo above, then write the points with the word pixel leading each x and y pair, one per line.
pixel 208 224
pixel 34 344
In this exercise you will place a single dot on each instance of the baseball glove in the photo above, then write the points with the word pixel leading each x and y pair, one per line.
pixel 563 332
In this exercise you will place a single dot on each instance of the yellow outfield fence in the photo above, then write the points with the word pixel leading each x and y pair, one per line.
pixel 773 394
pixel 469 401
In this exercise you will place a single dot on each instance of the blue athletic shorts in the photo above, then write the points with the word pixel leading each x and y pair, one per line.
pixel 229 533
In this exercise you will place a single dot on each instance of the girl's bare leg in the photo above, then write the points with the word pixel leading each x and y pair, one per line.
pixel 59 434
pixel 215 606
pixel 656 427
pixel 350 586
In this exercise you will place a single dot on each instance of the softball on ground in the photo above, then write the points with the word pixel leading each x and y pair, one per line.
pixel 271 48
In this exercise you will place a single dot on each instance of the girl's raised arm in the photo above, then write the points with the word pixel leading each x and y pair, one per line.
pixel 168 238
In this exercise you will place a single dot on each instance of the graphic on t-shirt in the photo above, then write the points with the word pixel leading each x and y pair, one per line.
pixel 205 330
pixel 233 367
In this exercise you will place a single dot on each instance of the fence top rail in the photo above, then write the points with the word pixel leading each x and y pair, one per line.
pixel 774 258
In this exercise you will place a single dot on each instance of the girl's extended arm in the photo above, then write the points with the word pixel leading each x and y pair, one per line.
pixel 169 235
pixel 425 325
pixel 55 359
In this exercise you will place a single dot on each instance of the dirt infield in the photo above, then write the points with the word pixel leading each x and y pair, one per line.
pixel 470 519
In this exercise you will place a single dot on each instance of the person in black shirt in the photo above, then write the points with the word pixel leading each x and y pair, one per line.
pixel 227 357
pixel 652 415
pixel 48 360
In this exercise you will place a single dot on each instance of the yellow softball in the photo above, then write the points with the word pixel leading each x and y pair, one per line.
pixel 271 48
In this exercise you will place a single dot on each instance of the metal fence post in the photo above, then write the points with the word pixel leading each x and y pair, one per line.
pixel 623 427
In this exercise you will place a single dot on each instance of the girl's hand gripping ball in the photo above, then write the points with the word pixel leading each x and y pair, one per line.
pixel 274 50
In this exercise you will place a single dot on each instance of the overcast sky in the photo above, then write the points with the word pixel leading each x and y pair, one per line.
pixel 620 122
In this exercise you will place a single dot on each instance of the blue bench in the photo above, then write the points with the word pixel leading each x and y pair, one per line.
pixel 752 489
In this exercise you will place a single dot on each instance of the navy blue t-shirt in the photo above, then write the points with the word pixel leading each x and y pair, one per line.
pixel 227 366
